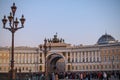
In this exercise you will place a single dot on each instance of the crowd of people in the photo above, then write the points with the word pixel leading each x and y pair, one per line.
pixel 82 75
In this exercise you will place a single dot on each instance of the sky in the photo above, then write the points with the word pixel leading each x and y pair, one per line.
pixel 76 21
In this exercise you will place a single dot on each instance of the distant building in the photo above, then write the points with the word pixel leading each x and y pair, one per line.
pixel 103 56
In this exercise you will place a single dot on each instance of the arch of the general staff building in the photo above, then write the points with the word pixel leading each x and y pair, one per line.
pixel 55 63
pixel 55 58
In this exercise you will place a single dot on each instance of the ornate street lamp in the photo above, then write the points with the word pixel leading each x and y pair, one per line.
pixel 13 27
pixel 45 48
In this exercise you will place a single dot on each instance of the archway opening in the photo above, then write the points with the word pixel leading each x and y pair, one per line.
pixel 55 63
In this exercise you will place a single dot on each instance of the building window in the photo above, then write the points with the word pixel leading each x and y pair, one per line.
pixel 105 52
pixel 117 65
pixel 83 54
pixel 117 50
pixel 23 68
pixel 72 67
pixel 90 54
pixel 76 59
pixel 97 66
pixel 117 59
pixel 87 59
pixel 90 59
pixel 68 59
pixel 68 53
pixel 40 54
pixel 40 68
pixel 101 66
pixel 79 67
pixel 94 59
pixel 97 59
pixel 64 54
pixel 4 68
pixel 83 67
pixel 93 66
pixel 72 60
pixel 83 60
pixel 86 67
pixel 109 66
pixel 19 69
pixel 68 67
pixel 76 67
pixel 90 67
pixel 26 68
pixel 0 60
pixel 105 58
pixel 0 68
pixel 109 58
pixel 105 66
pixel 40 60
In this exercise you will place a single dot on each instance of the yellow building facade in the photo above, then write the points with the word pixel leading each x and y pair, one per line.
pixel 63 57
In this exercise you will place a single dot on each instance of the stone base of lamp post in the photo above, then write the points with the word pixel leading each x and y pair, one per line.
pixel 12 75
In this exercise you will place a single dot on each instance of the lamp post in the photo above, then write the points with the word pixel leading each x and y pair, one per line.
pixel 45 48
pixel 20 74
pixel 13 27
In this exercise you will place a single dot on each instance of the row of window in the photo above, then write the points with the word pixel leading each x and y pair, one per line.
pixel 83 53
pixel 87 67
pixel 84 60
pixel 20 69
pixel 110 51
pixel 111 58
pixel 4 60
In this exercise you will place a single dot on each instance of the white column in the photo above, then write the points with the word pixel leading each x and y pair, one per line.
pixel 38 57
pixel 81 56
pixel 29 57
pixel 85 56
pixel 74 56
pixel 70 56
pixel 18 57
pixel 78 54
pixel 88 56
pixel 95 56
pixel 25 57
pixel 67 56
pixel 43 57
pixel 99 55
pixel 92 55
pixel 33 61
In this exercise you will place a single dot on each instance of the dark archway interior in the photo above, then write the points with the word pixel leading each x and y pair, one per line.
pixel 54 62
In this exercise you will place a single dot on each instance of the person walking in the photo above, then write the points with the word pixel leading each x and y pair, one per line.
pixel 105 75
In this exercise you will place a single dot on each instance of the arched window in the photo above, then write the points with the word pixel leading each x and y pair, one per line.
pixel 40 60
pixel 40 68
pixel 68 67
pixel 90 59
pixel 87 59
pixel 68 59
